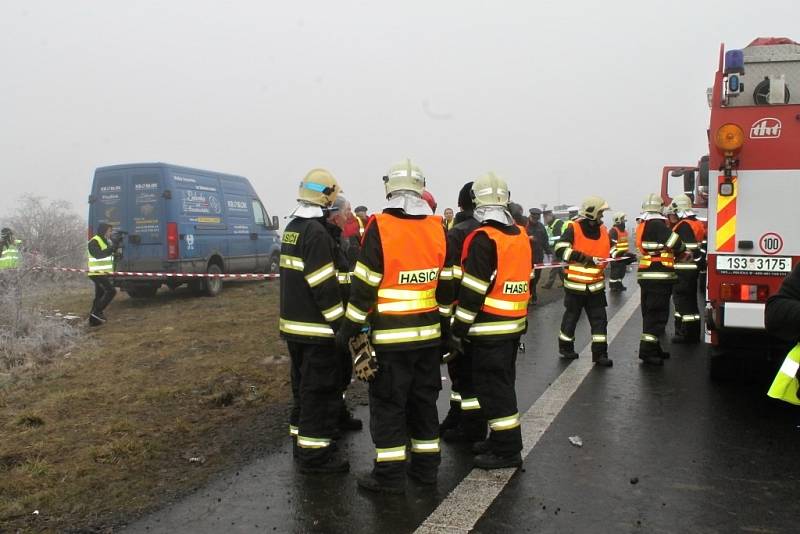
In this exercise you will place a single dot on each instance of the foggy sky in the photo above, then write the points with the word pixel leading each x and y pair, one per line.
pixel 594 95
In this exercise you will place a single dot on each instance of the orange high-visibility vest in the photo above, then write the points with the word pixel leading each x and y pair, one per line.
pixel 622 240
pixel 663 254
pixel 413 256
pixel 596 248
pixel 510 292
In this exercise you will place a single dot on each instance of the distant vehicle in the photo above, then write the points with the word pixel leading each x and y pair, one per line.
pixel 183 220
pixel 754 238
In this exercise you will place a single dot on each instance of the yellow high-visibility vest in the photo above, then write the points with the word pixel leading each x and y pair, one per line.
pixel 100 266
pixel 786 385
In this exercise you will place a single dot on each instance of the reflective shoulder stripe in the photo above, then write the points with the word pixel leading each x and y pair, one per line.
pixel 320 275
pixel 475 284
pixel 366 275
pixel 356 314
pixel 292 262
pixel 305 329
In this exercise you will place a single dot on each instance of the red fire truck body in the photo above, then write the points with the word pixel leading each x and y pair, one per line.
pixel 753 190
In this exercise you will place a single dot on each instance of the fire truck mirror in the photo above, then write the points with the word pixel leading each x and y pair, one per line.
pixel 688 183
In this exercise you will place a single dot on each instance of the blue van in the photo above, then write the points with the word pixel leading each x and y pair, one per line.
pixel 183 220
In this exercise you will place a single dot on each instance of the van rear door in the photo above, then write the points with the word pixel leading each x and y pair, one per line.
pixel 145 243
pixel 107 203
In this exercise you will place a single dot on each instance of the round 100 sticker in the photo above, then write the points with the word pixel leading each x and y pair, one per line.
pixel 770 243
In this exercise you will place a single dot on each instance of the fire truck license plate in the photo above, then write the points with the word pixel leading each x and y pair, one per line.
pixel 754 264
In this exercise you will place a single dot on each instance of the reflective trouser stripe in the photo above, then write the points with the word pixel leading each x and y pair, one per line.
pixel 406 335
pixel 312 443
pixel 564 337
pixel 504 423
pixel 785 386
pixel 599 338
pixel 293 430
pixel 392 454
pixel 686 266
pixel 649 338
pixel 470 404
pixel 425 445
pixel 689 318
pixel 655 276
pixel 455 397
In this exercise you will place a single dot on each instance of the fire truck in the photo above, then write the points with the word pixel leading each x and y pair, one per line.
pixel 689 179
pixel 753 193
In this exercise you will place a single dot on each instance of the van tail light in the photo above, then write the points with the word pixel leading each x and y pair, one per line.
pixel 173 251
pixel 744 292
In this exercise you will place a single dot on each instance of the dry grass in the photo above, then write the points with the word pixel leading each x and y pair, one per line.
pixel 106 433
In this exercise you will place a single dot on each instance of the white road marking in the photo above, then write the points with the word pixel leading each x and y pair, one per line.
pixel 467 503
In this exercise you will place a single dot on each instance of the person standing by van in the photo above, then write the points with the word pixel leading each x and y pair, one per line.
pixel 311 311
pixel 101 249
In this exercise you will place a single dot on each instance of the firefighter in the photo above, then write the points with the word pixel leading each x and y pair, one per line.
pixel 584 246
pixel 619 249
pixel 465 421
pixel 657 246
pixel 339 214
pixel 394 291
pixel 691 231
pixel 782 319
pixel 354 233
pixel 555 228
pixel 100 251
pixel 311 310
pixel 9 250
pixel 491 316
pixel 540 244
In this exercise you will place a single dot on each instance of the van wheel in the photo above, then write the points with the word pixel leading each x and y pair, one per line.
pixel 274 263
pixel 213 286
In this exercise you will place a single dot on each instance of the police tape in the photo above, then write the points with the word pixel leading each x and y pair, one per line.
pixel 252 276
pixel 240 276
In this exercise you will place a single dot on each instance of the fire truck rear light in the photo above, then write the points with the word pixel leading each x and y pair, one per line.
pixel 729 292
pixel 173 251
pixel 733 292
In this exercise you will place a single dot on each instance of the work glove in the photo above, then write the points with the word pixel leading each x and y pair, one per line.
pixel 344 332
pixel 454 347
pixel 365 363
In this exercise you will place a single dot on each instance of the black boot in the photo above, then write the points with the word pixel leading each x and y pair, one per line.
pixel 426 478
pixel 470 430
pixel 453 417
pixel 567 350
pixel 328 464
pixel 384 478
pixel 347 421
pixel 602 360
pixel 481 447
pixel 493 461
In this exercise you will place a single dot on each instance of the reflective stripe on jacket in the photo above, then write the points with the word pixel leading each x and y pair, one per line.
pixel 100 266
pixel 654 253
pixel 785 386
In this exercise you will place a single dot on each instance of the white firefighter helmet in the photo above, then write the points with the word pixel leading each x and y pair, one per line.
pixel 592 208
pixel 319 187
pixel 680 203
pixel 490 190
pixel 619 217
pixel 404 176
pixel 652 203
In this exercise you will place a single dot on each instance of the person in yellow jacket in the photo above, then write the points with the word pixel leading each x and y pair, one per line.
pixel 10 257
pixel 100 251
pixel 782 319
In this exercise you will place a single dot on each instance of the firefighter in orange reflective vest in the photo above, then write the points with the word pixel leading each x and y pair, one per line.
pixel 658 247
pixel 394 290
pixel 585 245
pixel 311 310
pixel 491 316
pixel 619 248
pixel 692 233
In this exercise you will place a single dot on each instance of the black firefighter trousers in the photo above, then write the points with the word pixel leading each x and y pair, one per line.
pixel 316 391
pixel 595 306
pixel 464 397
pixel 687 312
pixel 494 373
pixel 655 315
pixel 402 410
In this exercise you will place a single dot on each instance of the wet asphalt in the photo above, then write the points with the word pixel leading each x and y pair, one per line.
pixel 665 450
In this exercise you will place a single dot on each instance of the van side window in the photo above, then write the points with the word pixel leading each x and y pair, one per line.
pixel 258 213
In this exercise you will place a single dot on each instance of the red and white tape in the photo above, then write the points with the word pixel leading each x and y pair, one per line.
pixel 246 276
